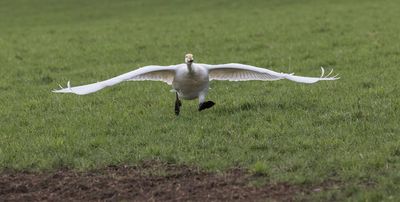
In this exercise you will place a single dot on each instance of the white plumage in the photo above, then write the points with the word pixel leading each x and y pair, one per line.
pixel 191 80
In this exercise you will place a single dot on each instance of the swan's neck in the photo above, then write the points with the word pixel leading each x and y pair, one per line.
pixel 189 66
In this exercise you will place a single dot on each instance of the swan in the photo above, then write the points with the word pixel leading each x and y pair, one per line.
pixel 191 80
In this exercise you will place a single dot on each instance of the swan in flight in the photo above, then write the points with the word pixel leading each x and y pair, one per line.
pixel 190 80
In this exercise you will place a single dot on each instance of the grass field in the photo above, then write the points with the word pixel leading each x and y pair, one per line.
pixel 346 130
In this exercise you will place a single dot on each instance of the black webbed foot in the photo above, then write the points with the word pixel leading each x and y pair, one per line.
pixel 206 105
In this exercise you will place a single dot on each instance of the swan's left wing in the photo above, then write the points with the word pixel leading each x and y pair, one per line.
pixel 241 72
pixel 152 72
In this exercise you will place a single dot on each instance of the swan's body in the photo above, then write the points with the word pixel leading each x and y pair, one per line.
pixel 190 84
pixel 191 80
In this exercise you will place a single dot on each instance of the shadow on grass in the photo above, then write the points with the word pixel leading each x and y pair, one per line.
pixel 243 107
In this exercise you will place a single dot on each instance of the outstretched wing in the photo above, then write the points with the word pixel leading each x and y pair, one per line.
pixel 241 72
pixel 152 72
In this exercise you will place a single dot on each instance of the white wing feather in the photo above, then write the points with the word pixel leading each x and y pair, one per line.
pixel 152 72
pixel 241 72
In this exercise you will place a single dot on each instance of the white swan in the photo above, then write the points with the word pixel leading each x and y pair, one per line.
pixel 191 80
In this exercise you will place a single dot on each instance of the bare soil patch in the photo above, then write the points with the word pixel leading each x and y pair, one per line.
pixel 150 181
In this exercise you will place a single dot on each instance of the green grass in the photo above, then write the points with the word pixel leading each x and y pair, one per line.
pixel 346 130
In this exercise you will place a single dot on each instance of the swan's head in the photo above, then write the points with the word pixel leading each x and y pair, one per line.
pixel 189 58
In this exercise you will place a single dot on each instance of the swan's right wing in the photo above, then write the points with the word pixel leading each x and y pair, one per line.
pixel 242 72
pixel 152 72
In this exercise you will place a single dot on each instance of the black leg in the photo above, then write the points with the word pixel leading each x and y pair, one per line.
pixel 178 105
pixel 206 105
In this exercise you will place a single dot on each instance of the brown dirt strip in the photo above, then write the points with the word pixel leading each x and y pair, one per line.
pixel 150 181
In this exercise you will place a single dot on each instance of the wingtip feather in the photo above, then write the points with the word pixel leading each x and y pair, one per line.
pixel 322 71
pixel 68 89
